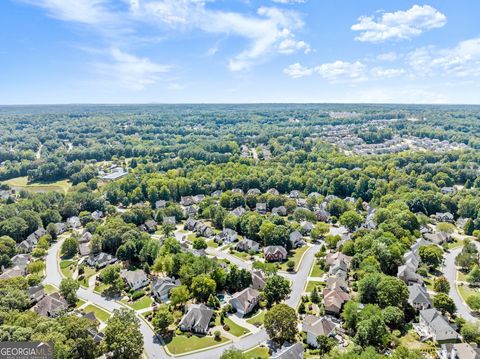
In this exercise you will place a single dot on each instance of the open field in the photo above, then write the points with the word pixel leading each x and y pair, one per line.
pixel 21 183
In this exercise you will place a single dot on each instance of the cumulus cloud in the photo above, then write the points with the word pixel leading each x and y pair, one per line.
pixel 380 72
pixel 289 2
pixel 337 71
pixel 297 70
pixel 130 71
pixel 399 24
pixel 461 60
pixel 387 56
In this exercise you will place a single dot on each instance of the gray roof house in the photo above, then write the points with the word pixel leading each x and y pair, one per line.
pixel 418 297
pixel 36 293
pixel 197 319
pixel 245 301
pixel 261 208
pixel 459 351
pixel 433 325
pixel 253 191
pixel 161 288
pixel 294 351
pixel 228 235
pixel 135 279
pixel 314 326
pixel 407 273
pixel 51 305
pixel 101 260
pixel 296 239
pixel 281 211
pixel 247 245
pixel 169 220
pixel 258 280
pixel 306 226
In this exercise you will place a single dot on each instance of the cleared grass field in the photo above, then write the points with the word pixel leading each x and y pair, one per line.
pixel 255 353
pixel 182 344
pixel 235 329
pixel 21 183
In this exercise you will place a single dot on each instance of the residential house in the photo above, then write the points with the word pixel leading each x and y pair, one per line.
pixel 339 268
pixel 101 260
pixel 314 326
pixel 322 215
pixel 459 351
pixel 448 190
pixel 294 351
pixel 36 293
pixel 160 204
pixel 437 238
pixel 60 227
pixel 407 273
pixel 444 217
pixel 74 222
pixel 433 325
pixel 296 239
pixel 337 283
pixel 84 249
pixel 294 194
pixel 51 305
pixel 418 297
pixel 169 220
pixel 228 235
pixel 161 288
pixel 20 260
pixel 238 191
pixel 216 193
pixel 332 258
pixel 333 300
pixel 197 319
pixel 135 279
pixel 13 272
pixel 151 225
pixel 275 253
pixel 97 215
pixel 186 200
pixel 258 280
pixel 245 301
pixel 306 226
pixel 238 211
pixel 247 245
pixel 85 237
pixel 254 191
pixel 273 191
pixel 281 211
pixel 261 208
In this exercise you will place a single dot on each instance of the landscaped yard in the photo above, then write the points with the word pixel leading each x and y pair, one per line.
pixel 100 314
pixel 235 329
pixel 296 256
pixel 311 284
pixel 49 289
pixel 21 183
pixel 242 255
pixel 65 267
pixel 100 287
pixel 141 303
pixel 182 344
pixel 87 273
pixel 212 244
pixel 410 341
pixel 257 319
pixel 316 271
pixel 455 244
pixel 465 291
pixel 257 352
pixel 80 302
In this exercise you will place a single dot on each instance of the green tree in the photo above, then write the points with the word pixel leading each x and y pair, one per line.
pixel 469 227
pixel 431 255
pixel 281 323
pixel 69 247
pixel 474 276
pixel 371 332
pixel 444 303
pixel 179 295
pixel 473 302
pixel 7 246
pixel 392 292
pixel 393 317
pixel 232 353
pixel 320 230
pixel 162 320
pixel 122 335
pixel 471 332
pixel 68 289
pixel 325 344
pixel 351 220
pixel 199 243
pixel 202 287
pixel 276 289
pixel 441 285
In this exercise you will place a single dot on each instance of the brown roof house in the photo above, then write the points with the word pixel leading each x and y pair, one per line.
pixel 245 301
pixel 258 280
pixel 51 305
pixel 275 253
pixel 333 300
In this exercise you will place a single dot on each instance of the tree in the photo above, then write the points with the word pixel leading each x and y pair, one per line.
pixel 202 287
pixel 431 255
pixel 232 353
pixel 167 229
pixel 473 302
pixel 469 227
pixel 68 289
pixel 351 220
pixel 162 320
pixel 122 335
pixel 367 287
pixel 14 227
pixel 314 297
pixel 474 276
pixel 199 243
pixel 281 323
pixel 441 285
pixel 276 289
pixel 444 303
pixel 325 344
pixel 179 295
pixel 69 247
pixel 393 317
pixel 471 332
pixel 350 314
pixel 392 291
pixel 320 230
pixel 7 246
pixel 290 265
pixel 371 332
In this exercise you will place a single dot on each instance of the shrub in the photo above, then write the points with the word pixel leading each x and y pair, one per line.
pixel 226 327
pixel 137 295
pixel 217 335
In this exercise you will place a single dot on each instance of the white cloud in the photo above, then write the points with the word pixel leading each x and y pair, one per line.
pixel 461 60
pixel 399 24
pixel 130 71
pixel 342 71
pixel 379 72
pixel 289 2
pixel 290 46
pixel 388 56
pixel 297 70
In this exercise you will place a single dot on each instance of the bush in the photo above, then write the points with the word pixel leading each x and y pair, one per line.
pixel 226 327
pixel 217 335
pixel 290 265
pixel 137 295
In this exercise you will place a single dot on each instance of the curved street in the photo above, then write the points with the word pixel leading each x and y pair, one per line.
pixel 152 346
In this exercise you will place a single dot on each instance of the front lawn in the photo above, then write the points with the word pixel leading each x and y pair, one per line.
pixel 258 319
pixel 142 303
pixel 465 291
pixel 212 244
pixel 312 284
pixel 181 344
pixel 244 256
pixel 256 353
pixel 87 273
pixel 316 271
pixel 67 267
pixel 235 329
pixel 21 183
pixel 100 314
pixel 100 287
pixel 80 302
pixel 296 256
pixel 49 289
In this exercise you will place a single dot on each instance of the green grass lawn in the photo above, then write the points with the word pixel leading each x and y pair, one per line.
pixel 87 273
pixel 455 244
pixel 146 314
pixel 141 303
pixel 311 284
pixel 296 256
pixel 100 287
pixel 191 237
pixel 410 341
pixel 65 267
pixel 242 255
pixel 80 302
pixel 257 352
pixel 212 244
pixel 257 319
pixel 316 271
pixel 100 314
pixel 462 277
pixel 235 329
pixel 21 183
pixel 466 291
pixel 182 344
pixel 49 289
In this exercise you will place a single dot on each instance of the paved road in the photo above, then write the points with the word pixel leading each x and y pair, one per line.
pixel 449 270
pixel 151 344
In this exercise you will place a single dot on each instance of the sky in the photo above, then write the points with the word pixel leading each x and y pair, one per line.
pixel 239 51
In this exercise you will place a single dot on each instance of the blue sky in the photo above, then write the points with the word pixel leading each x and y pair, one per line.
pixel 174 51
